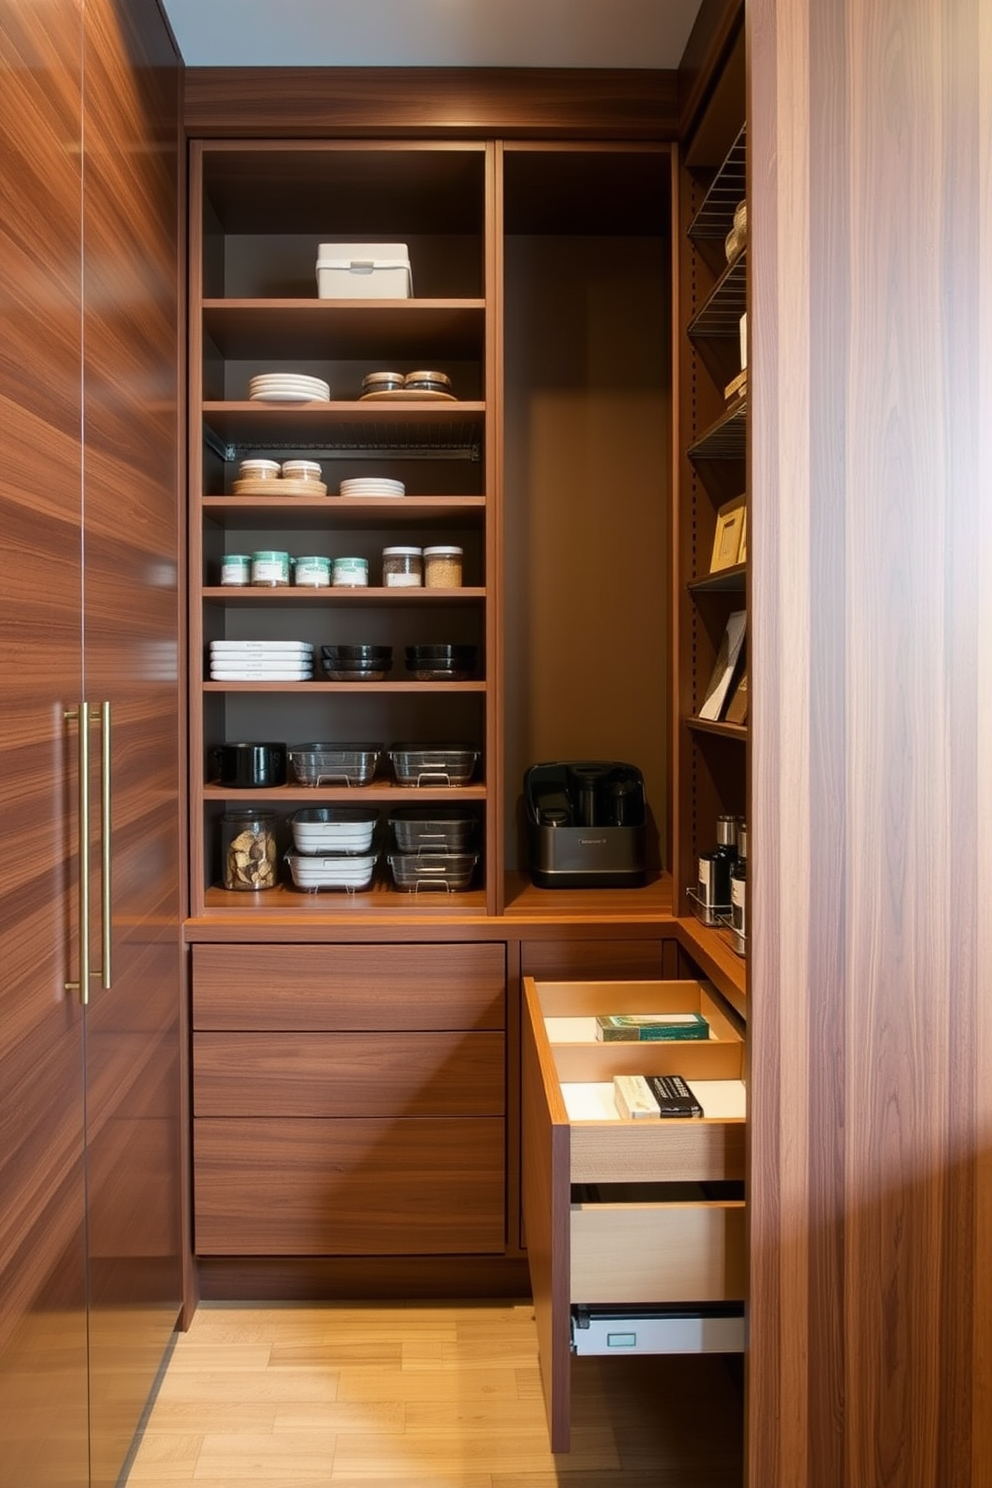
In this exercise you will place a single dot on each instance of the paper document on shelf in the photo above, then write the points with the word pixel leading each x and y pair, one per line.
pixel 723 670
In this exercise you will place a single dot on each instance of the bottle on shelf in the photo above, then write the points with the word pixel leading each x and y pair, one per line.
pixel 738 892
pixel 713 893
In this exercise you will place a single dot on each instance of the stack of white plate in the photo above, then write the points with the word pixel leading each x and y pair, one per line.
pixel 372 485
pixel 261 661
pixel 288 387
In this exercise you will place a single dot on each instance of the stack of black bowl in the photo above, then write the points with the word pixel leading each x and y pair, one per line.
pixel 356 663
pixel 441 663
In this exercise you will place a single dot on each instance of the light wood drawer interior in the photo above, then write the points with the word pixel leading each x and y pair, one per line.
pixel 686 1251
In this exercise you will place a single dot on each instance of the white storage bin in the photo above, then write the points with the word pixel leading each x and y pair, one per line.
pixel 364 271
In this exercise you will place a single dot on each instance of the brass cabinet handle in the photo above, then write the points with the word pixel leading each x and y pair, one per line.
pixel 82 716
pixel 106 916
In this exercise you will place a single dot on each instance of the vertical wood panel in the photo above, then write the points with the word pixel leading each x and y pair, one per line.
pixel 43 1364
pixel 870 1041
pixel 131 657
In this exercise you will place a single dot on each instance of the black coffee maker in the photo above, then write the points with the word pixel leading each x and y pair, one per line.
pixel 586 824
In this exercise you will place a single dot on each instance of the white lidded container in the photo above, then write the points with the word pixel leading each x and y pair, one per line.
pixel 364 271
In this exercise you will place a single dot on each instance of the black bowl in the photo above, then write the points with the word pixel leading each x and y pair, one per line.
pixel 357 653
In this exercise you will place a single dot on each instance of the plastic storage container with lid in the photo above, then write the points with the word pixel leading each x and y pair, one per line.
pixel 443 567
pixel 270 569
pixel 306 470
pixel 364 271
pixel 259 470
pixel 402 568
pixel 312 572
pixel 350 573
pixel 235 568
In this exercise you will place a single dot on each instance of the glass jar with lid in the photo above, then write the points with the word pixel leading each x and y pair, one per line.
pixel 402 568
pixel 443 567
pixel 248 850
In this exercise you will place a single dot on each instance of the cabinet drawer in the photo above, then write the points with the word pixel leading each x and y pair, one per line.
pixel 668 1252
pixel 340 987
pixel 348 1187
pixel 348 1074
pixel 630 1253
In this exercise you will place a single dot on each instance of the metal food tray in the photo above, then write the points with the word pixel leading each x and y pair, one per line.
pixel 334 764
pixel 451 872
pixel 432 766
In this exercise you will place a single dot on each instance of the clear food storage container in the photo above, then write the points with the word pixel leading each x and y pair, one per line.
pixel 451 872
pixel 417 764
pixel 334 764
pixel 443 567
pixel 418 829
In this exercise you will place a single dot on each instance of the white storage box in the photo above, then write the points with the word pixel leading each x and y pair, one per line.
pixel 364 271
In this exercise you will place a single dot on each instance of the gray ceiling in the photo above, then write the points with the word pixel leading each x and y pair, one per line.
pixel 431 33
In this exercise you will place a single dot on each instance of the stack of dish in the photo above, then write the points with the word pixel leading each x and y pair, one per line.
pixel 372 485
pixel 334 764
pixel 441 663
pixel 261 661
pixel 333 848
pixel 356 663
pixel 288 387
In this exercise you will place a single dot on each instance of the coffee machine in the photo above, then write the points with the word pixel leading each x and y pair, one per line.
pixel 586 824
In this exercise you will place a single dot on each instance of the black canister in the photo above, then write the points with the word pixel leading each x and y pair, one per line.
pixel 250 766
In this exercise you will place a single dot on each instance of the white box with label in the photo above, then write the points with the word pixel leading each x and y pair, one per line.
pixel 364 271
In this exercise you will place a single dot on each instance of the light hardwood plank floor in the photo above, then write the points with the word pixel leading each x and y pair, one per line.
pixel 422 1396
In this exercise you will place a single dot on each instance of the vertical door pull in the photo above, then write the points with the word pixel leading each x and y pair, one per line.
pixel 82 716
pixel 106 902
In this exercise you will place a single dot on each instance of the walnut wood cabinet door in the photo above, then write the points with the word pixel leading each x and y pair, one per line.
pixel 130 606
pixel 43 1361
pixel 89 1135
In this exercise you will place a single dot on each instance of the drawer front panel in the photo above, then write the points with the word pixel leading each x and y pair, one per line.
pixel 630 1253
pixel 348 1074
pixel 554 960
pixel 342 987
pixel 369 1187
pixel 657 1151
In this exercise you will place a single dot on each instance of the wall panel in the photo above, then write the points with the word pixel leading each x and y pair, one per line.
pixel 872 476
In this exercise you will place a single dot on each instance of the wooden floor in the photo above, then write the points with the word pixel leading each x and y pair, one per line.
pixel 423 1396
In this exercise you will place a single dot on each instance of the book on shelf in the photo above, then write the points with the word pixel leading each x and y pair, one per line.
pixel 737 707
pixel 651 1097
pixel 650 1027
pixel 724 668
pixel 633 1098
pixel 737 386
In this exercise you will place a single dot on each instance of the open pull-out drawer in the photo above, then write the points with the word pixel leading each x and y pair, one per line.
pixel 644 1214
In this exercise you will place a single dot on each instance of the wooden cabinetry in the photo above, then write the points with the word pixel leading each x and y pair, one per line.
pixel 711 755
pixel 630 1215
pixel 349 1100
pixel 258 214
pixel 91 1237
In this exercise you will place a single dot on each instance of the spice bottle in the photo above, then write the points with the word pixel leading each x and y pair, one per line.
pixel 270 569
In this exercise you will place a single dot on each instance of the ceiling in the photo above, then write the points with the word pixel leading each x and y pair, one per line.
pixel 432 33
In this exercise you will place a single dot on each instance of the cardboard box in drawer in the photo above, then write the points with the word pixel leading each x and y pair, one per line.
pixel 364 271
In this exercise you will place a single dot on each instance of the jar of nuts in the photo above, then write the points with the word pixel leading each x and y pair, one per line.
pixel 443 568
pixel 248 849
